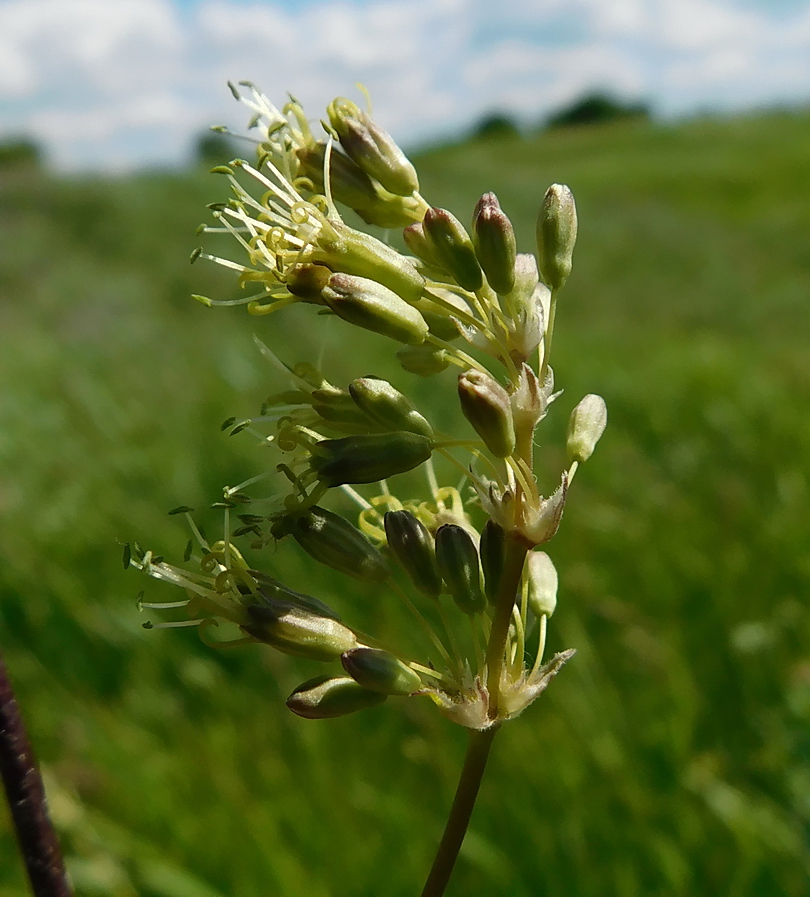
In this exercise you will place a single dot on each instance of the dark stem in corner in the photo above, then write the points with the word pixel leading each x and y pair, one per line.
pixel 25 792
pixel 468 784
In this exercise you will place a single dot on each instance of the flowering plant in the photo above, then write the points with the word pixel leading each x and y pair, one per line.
pixel 459 556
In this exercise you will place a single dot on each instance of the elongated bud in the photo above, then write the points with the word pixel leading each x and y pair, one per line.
pixel 493 551
pixel 556 235
pixel 452 247
pixel 338 407
pixel 368 304
pixel 495 245
pixel 486 406
pixel 333 541
pixel 585 426
pixel 368 458
pixel 425 361
pixel 388 407
pixel 348 251
pixel 412 545
pixel 326 697
pixel 294 630
pixel 542 580
pixel 457 559
pixel 372 148
pixel 380 671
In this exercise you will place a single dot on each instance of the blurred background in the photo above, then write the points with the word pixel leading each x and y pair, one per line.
pixel 672 755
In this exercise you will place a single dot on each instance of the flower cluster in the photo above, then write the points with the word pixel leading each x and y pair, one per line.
pixel 454 298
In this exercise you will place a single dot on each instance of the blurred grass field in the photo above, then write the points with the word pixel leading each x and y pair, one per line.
pixel 670 757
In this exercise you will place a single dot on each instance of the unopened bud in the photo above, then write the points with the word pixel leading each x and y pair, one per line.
pixel 338 408
pixel 333 541
pixel 452 247
pixel 372 148
pixel 380 671
pixel 585 426
pixel 493 551
pixel 458 563
pixel 425 361
pixel 487 407
pixel 368 304
pixel 542 580
pixel 388 407
pixel 495 245
pixel 556 235
pixel 416 240
pixel 272 591
pixel 368 458
pixel 294 630
pixel 412 545
pixel 326 697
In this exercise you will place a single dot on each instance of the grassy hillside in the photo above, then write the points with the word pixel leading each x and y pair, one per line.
pixel 669 758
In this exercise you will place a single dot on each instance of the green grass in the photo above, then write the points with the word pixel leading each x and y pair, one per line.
pixel 670 757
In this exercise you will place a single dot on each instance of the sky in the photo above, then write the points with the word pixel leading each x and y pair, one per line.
pixel 112 85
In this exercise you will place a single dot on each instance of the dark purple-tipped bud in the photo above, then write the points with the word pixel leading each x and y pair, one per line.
pixel 452 247
pixel 412 545
pixel 495 245
pixel 458 563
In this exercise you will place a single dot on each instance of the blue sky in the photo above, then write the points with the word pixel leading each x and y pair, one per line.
pixel 117 84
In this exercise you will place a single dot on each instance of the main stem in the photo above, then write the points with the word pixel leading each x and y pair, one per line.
pixel 26 799
pixel 469 782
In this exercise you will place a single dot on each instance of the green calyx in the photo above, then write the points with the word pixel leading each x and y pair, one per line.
pixel 424 361
pixel 457 559
pixel 333 541
pixel 487 406
pixel 293 630
pixel 388 407
pixel 368 458
pixel 556 235
pixel 451 246
pixel 412 545
pixel 492 549
pixel 380 671
pixel 326 697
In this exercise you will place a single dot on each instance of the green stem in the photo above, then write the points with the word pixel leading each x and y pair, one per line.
pixel 496 647
pixel 469 782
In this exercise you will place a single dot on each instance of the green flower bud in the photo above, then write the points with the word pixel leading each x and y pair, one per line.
pixel 542 579
pixel 440 319
pixel 352 187
pixel 452 247
pixel 339 409
pixel 294 630
pixel 368 458
pixel 585 426
pixel 495 245
pixel 492 548
pixel 457 559
pixel 348 251
pixel 412 545
pixel 556 235
pixel 368 304
pixel 388 406
pixel 372 148
pixel 326 697
pixel 487 407
pixel 380 671
pixel 423 360
pixel 333 541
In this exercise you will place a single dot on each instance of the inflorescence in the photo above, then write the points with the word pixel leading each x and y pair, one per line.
pixel 457 298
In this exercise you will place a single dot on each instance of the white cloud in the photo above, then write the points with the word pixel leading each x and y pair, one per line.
pixel 116 83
